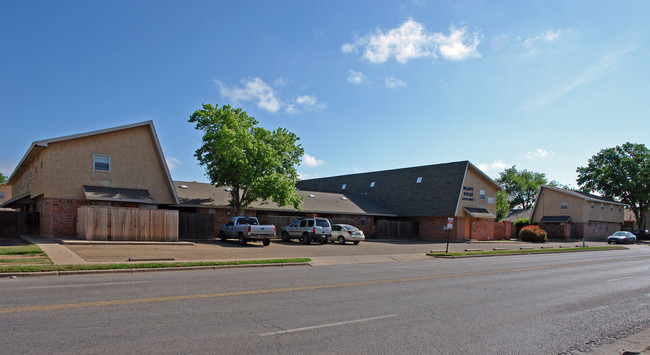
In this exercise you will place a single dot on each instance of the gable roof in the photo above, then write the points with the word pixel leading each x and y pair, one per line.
pixel 431 190
pixel 38 146
pixel 578 194
pixel 205 195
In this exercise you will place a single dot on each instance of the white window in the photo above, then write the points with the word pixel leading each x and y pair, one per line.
pixel 372 184
pixel 102 162
pixel 602 207
pixel 343 187
pixel 419 180
pixel 592 205
pixel 481 194
pixel 564 205
pixel 491 200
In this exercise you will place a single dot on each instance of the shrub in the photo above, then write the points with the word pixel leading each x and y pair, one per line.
pixel 521 223
pixel 533 234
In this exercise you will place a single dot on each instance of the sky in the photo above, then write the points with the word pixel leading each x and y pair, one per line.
pixel 366 85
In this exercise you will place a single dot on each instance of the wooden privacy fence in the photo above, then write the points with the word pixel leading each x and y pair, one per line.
pixel 196 225
pixel 14 224
pixel 127 224
pixel 385 229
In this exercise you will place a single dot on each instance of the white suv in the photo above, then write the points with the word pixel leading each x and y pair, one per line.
pixel 307 230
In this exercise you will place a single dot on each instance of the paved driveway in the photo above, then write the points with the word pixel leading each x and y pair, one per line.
pixel 368 251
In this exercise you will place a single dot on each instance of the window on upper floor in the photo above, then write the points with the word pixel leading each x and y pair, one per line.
pixel 372 184
pixel 564 205
pixel 102 162
pixel 602 206
pixel 343 186
pixel 418 180
pixel 481 194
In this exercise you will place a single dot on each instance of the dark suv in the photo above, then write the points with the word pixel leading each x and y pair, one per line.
pixel 307 230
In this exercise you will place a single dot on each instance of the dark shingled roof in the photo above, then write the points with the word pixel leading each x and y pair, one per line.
pixel 204 195
pixel 103 193
pixel 398 190
pixel 555 219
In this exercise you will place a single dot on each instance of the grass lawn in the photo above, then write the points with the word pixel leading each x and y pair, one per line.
pixel 23 255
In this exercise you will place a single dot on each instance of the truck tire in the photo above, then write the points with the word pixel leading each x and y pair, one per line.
pixel 222 236
pixel 306 238
pixel 242 239
pixel 285 237
pixel 266 242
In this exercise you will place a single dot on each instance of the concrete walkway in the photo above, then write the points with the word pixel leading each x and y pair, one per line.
pixel 59 253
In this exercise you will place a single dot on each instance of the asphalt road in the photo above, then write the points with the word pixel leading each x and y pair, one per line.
pixel 528 304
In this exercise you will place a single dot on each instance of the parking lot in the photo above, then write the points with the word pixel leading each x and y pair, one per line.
pixel 368 251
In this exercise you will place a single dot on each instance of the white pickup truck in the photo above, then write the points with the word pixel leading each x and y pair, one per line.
pixel 247 229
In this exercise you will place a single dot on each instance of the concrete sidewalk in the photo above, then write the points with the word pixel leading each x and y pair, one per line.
pixel 59 253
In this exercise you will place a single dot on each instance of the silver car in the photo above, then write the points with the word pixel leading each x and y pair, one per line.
pixel 621 237
pixel 346 233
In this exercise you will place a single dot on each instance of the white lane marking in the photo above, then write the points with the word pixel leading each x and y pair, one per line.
pixel 621 278
pixel 327 325
pixel 84 285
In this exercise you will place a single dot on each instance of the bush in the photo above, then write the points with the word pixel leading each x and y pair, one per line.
pixel 533 234
pixel 521 223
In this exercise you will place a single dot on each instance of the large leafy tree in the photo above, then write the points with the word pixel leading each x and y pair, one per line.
pixel 503 205
pixel 256 164
pixel 521 186
pixel 621 173
pixel 2 178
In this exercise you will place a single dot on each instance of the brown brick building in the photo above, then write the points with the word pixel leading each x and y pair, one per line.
pixel 121 167
pixel 566 214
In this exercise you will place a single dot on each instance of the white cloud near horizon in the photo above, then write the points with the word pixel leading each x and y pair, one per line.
pixel 252 89
pixel 393 83
pixel 355 77
pixel 311 161
pixel 172 163
pixel 538 153
pixel 411 40
pixel 265 97
pixel 494 167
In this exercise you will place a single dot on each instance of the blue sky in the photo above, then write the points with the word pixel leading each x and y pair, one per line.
pixel 366 85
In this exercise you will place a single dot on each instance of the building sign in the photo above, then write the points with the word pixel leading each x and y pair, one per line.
pixel 450 223
pixel 468 193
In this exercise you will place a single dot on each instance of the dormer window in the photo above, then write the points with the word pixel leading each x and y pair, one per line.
pixel 372 184
pixel 419 180
pixel 343 187
pixel 102 162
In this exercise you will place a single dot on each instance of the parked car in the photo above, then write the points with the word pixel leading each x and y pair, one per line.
pixel 346 233
pixel 621 237
pixel 307 230
pixel 641 234
pixel 247 229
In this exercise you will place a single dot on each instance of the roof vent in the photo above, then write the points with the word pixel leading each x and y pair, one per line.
pixel 183 186
pixel 311 196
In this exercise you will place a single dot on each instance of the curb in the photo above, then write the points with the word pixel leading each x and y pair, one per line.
pixel 141 270
pixel 521 253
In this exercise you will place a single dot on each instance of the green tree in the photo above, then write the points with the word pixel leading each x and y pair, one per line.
pixel 503 205
pixel 621 173
pixel 256 164
pixel 2 178
pixel 521 186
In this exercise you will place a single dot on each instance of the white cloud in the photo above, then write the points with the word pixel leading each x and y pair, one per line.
pixel 493 167
pixel 410 40
pixel 393 82
pixel 538 153
pixel 312 162
pixel 548 36
pixel 252 89
pixel 172 163
pixel 304 102
pixel 356 77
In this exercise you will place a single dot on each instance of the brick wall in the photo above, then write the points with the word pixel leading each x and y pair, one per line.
pixel 432 228
pixel 59 216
